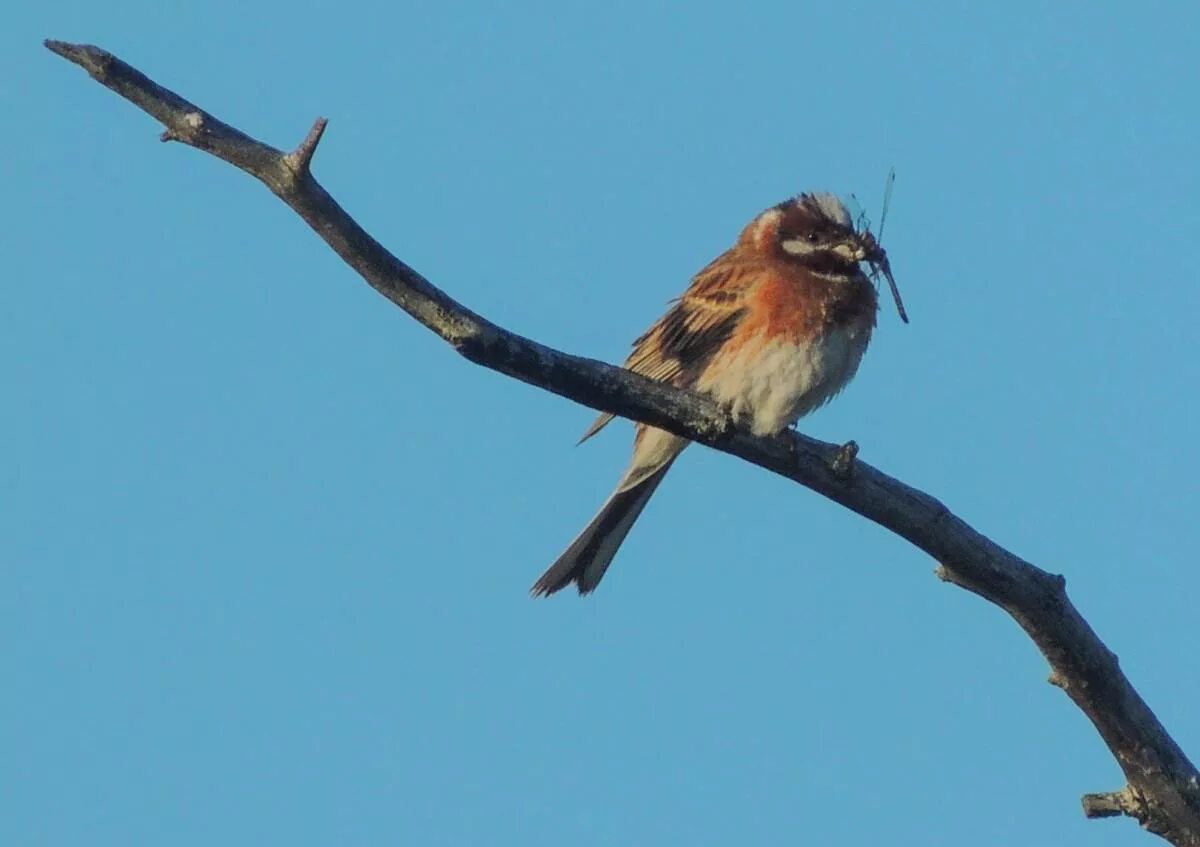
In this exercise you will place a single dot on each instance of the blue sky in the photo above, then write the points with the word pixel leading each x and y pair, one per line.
pixel 267 542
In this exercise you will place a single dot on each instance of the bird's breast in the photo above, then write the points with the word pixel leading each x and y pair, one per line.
pixel 771 380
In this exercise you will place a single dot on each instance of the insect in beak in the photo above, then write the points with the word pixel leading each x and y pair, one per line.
pixel 883 266
pixel 876 256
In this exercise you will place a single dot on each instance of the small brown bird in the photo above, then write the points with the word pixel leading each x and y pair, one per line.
pixel 772 328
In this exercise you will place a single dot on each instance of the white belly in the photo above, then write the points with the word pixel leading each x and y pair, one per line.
pixel 773 384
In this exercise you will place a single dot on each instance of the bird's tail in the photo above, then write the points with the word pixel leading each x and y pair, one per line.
pixel 590 554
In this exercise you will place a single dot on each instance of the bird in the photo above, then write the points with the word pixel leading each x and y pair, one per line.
pixel 771 329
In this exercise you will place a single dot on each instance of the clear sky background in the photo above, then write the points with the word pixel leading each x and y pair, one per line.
pixel 267 543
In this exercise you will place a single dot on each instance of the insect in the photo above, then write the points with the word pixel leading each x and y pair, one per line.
pixel 876 257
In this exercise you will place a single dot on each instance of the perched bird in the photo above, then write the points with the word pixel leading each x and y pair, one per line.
pixel 772 328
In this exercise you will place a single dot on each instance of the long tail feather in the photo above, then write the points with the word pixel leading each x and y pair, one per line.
pixel 590 554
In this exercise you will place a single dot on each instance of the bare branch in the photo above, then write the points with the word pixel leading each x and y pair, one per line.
pixel 1163 790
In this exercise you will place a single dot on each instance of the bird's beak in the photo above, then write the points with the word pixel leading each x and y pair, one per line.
pixel 854 251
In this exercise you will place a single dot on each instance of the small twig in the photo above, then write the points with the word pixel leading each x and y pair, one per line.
pixel 300 159
pixel 1111 804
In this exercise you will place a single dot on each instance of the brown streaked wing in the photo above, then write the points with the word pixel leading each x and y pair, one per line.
pixel 678 347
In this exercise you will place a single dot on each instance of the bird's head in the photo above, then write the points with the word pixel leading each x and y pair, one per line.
pixel 815 232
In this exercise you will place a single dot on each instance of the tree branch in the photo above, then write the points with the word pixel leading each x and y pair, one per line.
pixel 1163 786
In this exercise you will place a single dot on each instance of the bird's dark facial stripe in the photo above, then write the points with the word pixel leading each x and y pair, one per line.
pixel 827 262
pixel 817 236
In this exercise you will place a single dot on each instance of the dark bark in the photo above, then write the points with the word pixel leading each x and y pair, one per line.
pixel 1163 786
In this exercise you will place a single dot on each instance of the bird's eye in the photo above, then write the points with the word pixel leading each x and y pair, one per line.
pixel 813 237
